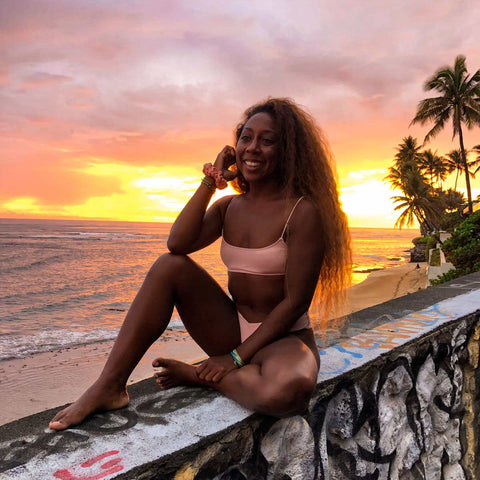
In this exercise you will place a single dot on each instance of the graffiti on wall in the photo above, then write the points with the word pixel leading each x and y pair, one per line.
pixel 110 467
pixel 383 337
pixel 151 409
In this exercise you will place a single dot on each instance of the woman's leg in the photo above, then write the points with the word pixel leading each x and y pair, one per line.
pixel 210 317
pixel 278 381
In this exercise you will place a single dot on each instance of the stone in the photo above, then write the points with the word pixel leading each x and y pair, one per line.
pixel 392 412
pixel 432 464
pixel 289 449
pixel 453 472
pixel 417 253
pixel 452 440
pixel 425 386
pixel 340 416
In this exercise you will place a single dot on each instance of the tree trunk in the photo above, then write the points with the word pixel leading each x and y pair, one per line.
pixel 465 167
pixel 422 220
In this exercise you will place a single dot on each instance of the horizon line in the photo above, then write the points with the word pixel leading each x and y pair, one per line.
pixel 83 219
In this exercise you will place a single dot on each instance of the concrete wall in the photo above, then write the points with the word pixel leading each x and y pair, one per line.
pixel 396 400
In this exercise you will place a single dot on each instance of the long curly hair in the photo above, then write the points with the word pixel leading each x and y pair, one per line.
pixel 306 168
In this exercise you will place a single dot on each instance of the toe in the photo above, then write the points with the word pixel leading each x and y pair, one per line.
pixel 59 417
pixel 159 362
pixel 57 425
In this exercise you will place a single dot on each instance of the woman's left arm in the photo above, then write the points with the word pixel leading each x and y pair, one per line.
pixel 305 253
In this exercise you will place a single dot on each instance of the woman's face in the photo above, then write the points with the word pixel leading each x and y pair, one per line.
pixel 257 148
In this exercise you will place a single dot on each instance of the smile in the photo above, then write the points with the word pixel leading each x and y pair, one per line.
pixel 250 163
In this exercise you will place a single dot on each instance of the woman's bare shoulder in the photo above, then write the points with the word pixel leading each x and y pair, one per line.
pixel 305 216
pixel 305 208
pixel 222 204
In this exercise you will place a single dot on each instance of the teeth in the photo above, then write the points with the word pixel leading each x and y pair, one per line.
pixel 251 164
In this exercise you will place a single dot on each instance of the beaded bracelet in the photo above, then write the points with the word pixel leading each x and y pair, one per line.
pixel 210 171
pixel 210 185
pixel 237 359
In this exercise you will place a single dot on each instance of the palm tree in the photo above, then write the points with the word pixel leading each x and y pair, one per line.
pixel 434 165
pixel 476 149
pixel 418 202
pixel 408 153
pixel 407 160
pixel 455 162
pixel 417 199
pixel 452 199
pixel 459 99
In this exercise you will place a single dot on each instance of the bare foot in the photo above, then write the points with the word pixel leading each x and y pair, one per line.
pixel 97 398
pixel 175 373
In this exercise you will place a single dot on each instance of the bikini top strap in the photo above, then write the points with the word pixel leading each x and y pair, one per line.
pixel 290 216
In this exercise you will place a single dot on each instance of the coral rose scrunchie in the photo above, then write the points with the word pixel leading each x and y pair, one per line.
pixel 210 171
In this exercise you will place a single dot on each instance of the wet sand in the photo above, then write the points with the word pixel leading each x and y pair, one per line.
pixel 47 380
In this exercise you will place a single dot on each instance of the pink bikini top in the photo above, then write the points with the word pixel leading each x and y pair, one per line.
pixel 269 260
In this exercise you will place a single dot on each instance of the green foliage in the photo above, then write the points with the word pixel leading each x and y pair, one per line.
pixel 452 200
pixel 418 240
pixel 435 258
pixel 463 248
pixel 431 242
pixel 452 220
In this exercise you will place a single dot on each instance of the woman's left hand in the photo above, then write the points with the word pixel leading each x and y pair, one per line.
pixel 215 368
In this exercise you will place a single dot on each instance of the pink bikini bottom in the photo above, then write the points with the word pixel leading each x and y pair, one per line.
pixel 247 328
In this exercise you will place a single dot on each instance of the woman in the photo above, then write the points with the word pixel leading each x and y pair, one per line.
pixel 284 233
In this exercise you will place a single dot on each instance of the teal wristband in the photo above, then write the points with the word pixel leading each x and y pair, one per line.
pixel 237 359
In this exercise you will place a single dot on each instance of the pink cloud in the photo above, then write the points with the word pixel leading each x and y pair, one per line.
pixel 132 82
pixel 43 79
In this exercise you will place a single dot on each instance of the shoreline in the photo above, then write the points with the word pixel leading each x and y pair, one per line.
pixel 47 380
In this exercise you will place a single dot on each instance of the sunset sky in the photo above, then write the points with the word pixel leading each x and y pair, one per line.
pixel 109 109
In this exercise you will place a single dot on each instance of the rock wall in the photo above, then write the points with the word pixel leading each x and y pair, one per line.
pixel 417 253
pixel 409 415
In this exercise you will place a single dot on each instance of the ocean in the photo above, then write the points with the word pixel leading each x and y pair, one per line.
pixel 70 282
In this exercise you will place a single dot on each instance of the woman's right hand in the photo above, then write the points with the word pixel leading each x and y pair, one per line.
pixel 215 368
pixel 225 159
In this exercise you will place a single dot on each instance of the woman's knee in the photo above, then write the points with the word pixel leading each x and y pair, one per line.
pixel 169 265
pixel 287 398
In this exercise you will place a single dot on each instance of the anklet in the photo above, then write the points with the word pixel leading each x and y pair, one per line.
pixel 237 359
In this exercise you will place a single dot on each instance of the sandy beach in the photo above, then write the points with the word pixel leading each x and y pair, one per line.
pixel 384 285
pixel 47 380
